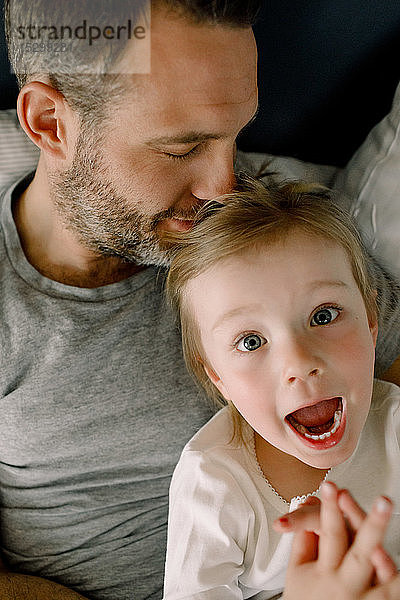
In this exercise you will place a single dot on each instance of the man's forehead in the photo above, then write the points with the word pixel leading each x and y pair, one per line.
pixel 206 47
pixel 203 79
pixel 187 56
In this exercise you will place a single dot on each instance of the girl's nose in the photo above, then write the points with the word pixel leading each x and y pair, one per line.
pixel 301 362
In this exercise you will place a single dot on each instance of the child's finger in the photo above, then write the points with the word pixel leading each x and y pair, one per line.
pixel 369 536
pixel 388 591
pixel 306 517
pixel 304 548
pixel 353 511
pixel 333 541
pixel 385 567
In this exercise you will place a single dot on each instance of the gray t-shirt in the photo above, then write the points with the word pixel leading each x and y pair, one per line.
pixel 96 406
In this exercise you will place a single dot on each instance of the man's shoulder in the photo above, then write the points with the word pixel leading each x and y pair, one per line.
pixel 18 155
pixel 5 192
pixel 9 183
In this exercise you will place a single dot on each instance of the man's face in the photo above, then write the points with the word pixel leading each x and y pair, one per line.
pixel 285 328
pixel 168 147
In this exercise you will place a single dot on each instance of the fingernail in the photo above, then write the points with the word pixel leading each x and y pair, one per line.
pixel 328 490
pixel 283 521
pixel 383 505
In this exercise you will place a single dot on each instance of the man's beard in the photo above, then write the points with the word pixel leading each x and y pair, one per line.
pixel 102 220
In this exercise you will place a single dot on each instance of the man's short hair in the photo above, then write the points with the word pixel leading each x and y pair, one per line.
pixel 37 29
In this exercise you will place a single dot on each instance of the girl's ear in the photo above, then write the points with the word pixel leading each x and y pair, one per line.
pixel 373 327
pixel 216 380
pixel 373 323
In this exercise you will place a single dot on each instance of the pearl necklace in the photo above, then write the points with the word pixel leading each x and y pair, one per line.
pixel 297 499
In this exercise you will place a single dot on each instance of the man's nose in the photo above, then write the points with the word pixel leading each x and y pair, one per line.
pixel 301 362
pixel 215 175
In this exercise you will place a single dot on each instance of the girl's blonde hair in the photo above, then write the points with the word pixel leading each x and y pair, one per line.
pixel 256 215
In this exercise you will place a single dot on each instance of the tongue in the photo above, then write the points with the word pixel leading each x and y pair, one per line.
pixel 313 416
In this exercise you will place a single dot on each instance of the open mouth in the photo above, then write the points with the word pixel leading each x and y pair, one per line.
pixel 320 425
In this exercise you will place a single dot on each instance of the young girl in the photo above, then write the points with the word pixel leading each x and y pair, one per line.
pixel 279 322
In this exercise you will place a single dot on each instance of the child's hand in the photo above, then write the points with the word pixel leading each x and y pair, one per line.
pixel 307 518
pixel 325 566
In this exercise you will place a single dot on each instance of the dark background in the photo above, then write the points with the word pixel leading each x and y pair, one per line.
pixel 328 70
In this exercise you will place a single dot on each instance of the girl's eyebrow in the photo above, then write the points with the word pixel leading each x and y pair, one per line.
pixel 327 283
pixel 243 310
pixel 235 312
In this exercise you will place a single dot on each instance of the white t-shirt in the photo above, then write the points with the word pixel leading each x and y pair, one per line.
pixel 220 539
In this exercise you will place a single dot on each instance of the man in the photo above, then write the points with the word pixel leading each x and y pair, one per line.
pixel 96 401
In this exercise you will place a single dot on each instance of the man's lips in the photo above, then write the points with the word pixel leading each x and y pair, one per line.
pixel 176 224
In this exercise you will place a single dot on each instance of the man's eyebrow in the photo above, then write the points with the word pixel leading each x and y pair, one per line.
pixel 190 137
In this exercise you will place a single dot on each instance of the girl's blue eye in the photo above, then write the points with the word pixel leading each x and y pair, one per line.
pixel 324 316
pixel 250 343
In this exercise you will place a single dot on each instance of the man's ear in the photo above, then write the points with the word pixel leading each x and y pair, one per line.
pixel 216 380
pixel 45 115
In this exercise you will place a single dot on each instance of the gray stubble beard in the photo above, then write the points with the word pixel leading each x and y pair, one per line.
pixel 100 219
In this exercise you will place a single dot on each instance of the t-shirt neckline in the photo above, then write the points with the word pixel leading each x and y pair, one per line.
pixel 33 278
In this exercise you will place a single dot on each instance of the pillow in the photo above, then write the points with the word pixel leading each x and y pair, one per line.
pixel 18 155
pixel 370 187
pixel 286 168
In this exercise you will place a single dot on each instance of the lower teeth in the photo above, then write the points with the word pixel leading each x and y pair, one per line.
pixel 327 434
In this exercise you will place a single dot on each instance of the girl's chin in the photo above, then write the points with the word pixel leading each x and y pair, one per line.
pixel 329 459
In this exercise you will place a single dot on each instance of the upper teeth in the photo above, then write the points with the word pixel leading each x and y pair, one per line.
pixel 322 436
